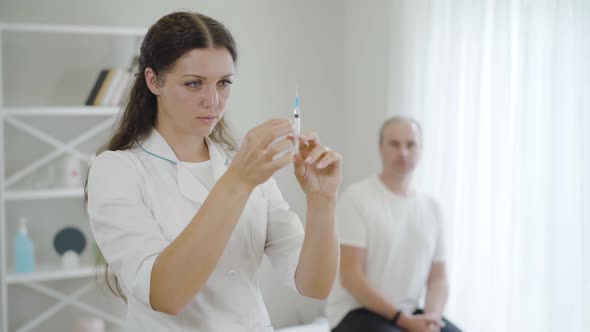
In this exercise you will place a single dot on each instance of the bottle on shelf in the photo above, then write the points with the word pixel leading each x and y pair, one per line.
pixel 73 172
pixel 24 249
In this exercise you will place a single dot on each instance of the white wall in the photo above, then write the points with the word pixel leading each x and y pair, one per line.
pixel 336 50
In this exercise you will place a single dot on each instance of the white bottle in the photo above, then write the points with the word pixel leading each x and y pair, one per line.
pixel 70 259
pixel 89 325
pixel 72 172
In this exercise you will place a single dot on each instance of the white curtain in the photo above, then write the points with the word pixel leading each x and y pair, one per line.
pixel 502 89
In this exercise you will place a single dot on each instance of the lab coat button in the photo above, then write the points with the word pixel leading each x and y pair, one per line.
pixel 233 273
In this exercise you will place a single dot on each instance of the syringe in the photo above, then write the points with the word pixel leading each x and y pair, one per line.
pixel 297 119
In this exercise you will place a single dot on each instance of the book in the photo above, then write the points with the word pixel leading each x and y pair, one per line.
pixel 113 87
pixel 95 89
pixel 123 91
pixel 103 87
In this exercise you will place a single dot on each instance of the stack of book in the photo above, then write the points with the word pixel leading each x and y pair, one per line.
pixel 110 88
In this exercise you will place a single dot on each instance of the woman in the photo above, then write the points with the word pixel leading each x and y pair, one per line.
pixel 182 216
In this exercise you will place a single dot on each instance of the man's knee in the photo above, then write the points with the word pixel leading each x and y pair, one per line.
pixel 362 320
pixel 450 327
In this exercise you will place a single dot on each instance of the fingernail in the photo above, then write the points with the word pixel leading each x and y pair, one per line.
pixel 308 160
pixel 321 165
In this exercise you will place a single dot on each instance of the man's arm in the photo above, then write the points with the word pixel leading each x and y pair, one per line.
pixel 354 280
pixel 437 290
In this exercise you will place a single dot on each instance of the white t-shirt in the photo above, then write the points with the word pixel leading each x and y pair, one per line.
pixel 202 171
pixel 402 236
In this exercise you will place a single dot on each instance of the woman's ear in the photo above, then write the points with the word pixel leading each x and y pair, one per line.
pixel 151 79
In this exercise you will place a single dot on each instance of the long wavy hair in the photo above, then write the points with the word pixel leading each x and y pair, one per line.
pixel 169 39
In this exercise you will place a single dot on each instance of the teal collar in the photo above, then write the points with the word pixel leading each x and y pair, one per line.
pixel 155 145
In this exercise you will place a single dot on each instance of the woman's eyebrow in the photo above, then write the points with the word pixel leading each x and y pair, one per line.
pixel 204 78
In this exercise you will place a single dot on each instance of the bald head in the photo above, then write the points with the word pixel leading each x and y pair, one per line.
pixel 400 142
pixel 401 119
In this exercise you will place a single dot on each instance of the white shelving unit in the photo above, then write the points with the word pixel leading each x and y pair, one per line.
pixel 15 195
pixel 50 273
pixel 16 117
pixel 57 111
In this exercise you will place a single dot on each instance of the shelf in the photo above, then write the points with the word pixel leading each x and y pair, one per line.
pixel 51 273
pixel 61 111
pixel 74 29
pixel 19 195
pixel 40 121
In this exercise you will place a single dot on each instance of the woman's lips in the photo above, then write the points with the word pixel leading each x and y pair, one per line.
pixel 207 119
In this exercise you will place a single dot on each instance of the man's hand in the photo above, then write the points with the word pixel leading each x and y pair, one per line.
pixel 433 328
pixel 420 323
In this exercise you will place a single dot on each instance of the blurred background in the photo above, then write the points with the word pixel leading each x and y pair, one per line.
pixel 501 88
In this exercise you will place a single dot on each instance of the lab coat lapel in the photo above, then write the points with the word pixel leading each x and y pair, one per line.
pixel 156 145
pixel 219 159
pixel 188 185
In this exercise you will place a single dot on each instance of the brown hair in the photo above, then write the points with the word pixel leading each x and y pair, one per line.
pixel 169 39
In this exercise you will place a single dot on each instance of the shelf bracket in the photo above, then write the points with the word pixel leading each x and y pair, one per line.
pixel 64 300
pixel 62 148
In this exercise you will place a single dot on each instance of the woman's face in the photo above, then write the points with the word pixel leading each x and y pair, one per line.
pixel 192 95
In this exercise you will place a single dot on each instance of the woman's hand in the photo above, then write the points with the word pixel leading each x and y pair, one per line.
pixel 254 163
pixel 317 168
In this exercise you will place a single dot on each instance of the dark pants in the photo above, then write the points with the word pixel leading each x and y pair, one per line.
pixel 363 320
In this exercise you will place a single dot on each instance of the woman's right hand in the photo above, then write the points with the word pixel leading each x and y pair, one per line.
pixel 253 163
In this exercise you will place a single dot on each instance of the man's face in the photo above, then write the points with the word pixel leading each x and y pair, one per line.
pixel 400 148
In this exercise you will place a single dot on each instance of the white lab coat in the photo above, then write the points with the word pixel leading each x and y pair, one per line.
pixel 139 200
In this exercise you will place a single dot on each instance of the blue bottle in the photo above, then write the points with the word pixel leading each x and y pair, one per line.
pixel 24 249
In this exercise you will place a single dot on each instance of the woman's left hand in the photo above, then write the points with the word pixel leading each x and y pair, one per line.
pixel 317 168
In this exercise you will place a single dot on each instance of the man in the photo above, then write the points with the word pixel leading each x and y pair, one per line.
pixel 392 246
